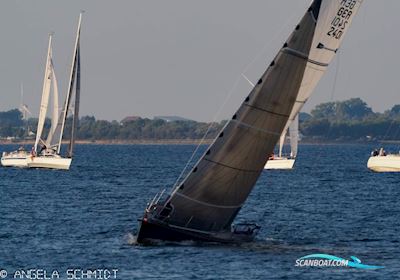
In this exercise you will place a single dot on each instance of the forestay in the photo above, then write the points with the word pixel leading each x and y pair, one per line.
pixel 210 197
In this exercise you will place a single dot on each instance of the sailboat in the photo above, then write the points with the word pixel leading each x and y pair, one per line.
pixel 281 161
pixel 204 204
pixel 48 156
pixel 380 161
pixel 18 158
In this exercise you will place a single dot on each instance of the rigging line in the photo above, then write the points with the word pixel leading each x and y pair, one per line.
pixel 393 135
pixel 318 156
pixel 209 204
pixel 388 130
pixel 333 92
pixel 396 134
pixel 335 79
pixel 268 44
pixel 231 91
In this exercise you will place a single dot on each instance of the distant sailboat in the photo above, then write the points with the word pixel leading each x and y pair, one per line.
pixel 204 205
pixel 48 156
pixel 281 161
pixel 18 158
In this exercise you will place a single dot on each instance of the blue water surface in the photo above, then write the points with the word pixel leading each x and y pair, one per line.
pixel 86 217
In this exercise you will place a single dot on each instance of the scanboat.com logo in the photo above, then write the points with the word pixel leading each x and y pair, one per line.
pixel 324 260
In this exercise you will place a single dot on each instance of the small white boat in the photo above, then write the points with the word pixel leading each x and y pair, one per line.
pixel 15 159
pixel 382 162
pixel 280 161
pixel 18 158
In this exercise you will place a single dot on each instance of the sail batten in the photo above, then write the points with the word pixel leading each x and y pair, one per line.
pixel 230 167
pixel 256 128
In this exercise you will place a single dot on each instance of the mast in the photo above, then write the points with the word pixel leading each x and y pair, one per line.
pixel 45 95
pixel 76 105
pixel 212 194
pixel 70 84
pixel 294 136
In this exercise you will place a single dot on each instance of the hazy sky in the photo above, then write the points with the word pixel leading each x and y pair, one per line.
pixel 184 57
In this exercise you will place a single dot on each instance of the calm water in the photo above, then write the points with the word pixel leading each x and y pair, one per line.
pixel 86 218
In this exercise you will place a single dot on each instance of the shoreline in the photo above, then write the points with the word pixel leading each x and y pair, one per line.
pixel 186 142
pixel 120 142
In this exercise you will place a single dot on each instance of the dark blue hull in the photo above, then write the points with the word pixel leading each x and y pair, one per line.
pixel 154 230
pixel 149 231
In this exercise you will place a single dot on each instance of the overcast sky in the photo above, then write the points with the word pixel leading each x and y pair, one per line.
pixel 184 57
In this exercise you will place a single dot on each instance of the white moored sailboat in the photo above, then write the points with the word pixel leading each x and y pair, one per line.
pixel 19 157
pixel 205 203
pixel 48 156
pixel 382 162
pixel 16 158
pixel 281 161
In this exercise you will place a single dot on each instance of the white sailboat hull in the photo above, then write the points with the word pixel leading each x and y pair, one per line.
pixel 50 162
pixel 280 163
pixel 389 163
pixel 15 159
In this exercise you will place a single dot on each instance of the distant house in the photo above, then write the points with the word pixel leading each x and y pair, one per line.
pixel 171 118
pixel 129 119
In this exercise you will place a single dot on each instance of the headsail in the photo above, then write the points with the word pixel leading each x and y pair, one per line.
pixel 282 142
pixel 329 36
pixel 74 74
pixel 213 193
pixel 293 136
pixel 45 95
pixel 55 114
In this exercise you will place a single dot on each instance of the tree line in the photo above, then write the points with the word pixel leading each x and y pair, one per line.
pixel 349 120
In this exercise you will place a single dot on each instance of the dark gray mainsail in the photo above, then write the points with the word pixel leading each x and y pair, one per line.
pixel 75 117
pixel 212 194
pixel 73 81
